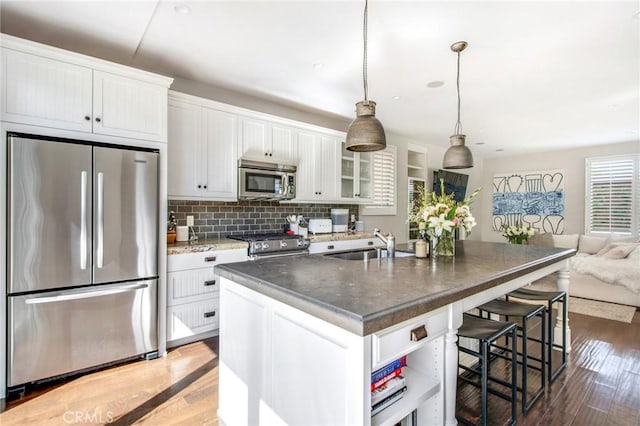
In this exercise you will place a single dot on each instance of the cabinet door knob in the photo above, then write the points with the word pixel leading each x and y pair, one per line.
pixel 199 186
pixel 98 119
pixel 205 186
pixel 86 117
pixel 270 154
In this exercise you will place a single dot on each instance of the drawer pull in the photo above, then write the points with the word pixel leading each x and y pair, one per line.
pixel 330 247
pixel 369 243
pixel 210 259
pixel 210 282
pixel 418 333
pixel 210 314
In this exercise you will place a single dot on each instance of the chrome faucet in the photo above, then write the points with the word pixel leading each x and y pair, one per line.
pixel 389 240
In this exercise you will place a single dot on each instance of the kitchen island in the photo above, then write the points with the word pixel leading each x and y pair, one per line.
pixel 301 335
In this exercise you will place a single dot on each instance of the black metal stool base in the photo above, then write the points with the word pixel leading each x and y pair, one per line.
pixel 550 297
pixel 525 313
pixel 487 332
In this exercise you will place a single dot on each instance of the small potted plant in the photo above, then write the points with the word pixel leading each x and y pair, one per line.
pixel 171 228
pixel 517 234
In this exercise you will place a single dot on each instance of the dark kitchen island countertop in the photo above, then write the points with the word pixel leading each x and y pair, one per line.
pixel 365 297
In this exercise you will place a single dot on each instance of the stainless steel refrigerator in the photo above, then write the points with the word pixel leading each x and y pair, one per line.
pixel 82 256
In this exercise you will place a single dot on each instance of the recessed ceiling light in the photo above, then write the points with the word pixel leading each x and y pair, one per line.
pixel 182 9
pixel 435 83
pixel 479 143
pixel 499 150
pixel 318 65
pixel 396 97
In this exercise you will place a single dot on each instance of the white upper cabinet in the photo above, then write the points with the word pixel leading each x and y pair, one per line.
pixel 202 151
pixel 267 141
pixel 219 153
pixel 317 172
pixel 129 108
pixel 355 177
pixel 45 92
pixel 50 87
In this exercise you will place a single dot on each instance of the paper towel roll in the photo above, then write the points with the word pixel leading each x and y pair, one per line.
pixel 182 233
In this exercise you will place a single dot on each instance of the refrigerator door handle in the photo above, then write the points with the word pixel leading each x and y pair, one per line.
pixel 83 220
pixel 100 244
pixel 84 294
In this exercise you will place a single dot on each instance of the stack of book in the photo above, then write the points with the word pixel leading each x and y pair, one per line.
pixel 387 385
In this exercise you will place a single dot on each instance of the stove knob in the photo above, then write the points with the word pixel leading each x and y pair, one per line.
pixel 283 244
pixel 301 243
pixel 265 245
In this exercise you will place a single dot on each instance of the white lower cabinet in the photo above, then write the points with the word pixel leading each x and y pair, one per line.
pixel 193 294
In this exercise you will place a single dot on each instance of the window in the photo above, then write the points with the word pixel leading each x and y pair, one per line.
pixel 384 183
pixel 416 189
pixel 613 186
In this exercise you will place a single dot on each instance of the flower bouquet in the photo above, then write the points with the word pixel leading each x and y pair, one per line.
pixel 438 216
pixel 517 234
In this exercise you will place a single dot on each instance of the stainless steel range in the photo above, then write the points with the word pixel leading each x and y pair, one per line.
pixel 272 245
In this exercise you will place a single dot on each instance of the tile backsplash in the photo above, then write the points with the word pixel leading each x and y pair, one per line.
pixel 217 219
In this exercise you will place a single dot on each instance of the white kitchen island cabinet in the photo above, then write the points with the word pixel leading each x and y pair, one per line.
pixel 301 335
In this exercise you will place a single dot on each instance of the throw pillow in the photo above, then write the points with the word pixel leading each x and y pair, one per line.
pixel 544 239
pixel 566 241
pixel 591 245
pixel 617 250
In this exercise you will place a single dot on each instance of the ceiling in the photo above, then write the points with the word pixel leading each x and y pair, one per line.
pixel 537 75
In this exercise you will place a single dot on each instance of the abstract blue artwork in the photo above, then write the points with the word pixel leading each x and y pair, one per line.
pixel 535 199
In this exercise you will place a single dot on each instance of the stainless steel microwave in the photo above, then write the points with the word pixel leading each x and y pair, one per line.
pixel 258 180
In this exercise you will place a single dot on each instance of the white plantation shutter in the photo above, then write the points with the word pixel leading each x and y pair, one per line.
pixel 613 197
pixel 384 183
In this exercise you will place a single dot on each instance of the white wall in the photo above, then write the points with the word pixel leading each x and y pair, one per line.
pixel 573 163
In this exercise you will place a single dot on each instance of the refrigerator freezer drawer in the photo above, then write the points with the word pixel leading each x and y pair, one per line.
pixel 59 332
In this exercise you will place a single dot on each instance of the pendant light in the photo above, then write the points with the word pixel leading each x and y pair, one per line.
pixel 365 133
pixel 458 156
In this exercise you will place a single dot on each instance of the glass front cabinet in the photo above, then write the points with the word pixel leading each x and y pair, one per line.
pixel 355 178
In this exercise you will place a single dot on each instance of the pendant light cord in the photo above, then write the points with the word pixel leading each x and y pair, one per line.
pixel 364 60
pixel 458 129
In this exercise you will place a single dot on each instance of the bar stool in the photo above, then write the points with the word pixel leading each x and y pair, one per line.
pixel 550 297
pixel 523 313
pixel 487 332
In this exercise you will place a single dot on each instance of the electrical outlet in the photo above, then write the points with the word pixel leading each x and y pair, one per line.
pixel 189 220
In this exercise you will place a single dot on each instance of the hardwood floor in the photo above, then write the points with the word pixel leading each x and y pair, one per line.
pixel 600 386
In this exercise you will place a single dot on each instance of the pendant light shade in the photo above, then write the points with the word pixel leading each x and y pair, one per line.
pixel 365 133
pixel 458 156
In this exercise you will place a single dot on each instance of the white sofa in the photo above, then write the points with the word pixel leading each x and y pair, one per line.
pixel 606 269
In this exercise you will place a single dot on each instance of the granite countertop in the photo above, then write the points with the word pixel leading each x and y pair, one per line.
pixel 365 297
pixel 229 244
pixel 211 244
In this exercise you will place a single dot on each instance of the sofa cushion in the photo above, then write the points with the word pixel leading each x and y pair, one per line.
pixel 617 250
pixel 591 245
pixel 566 241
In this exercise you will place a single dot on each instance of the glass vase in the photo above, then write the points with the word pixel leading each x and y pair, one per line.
pixel 444 245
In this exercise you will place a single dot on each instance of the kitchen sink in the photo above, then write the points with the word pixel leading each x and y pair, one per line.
pixel 364 255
